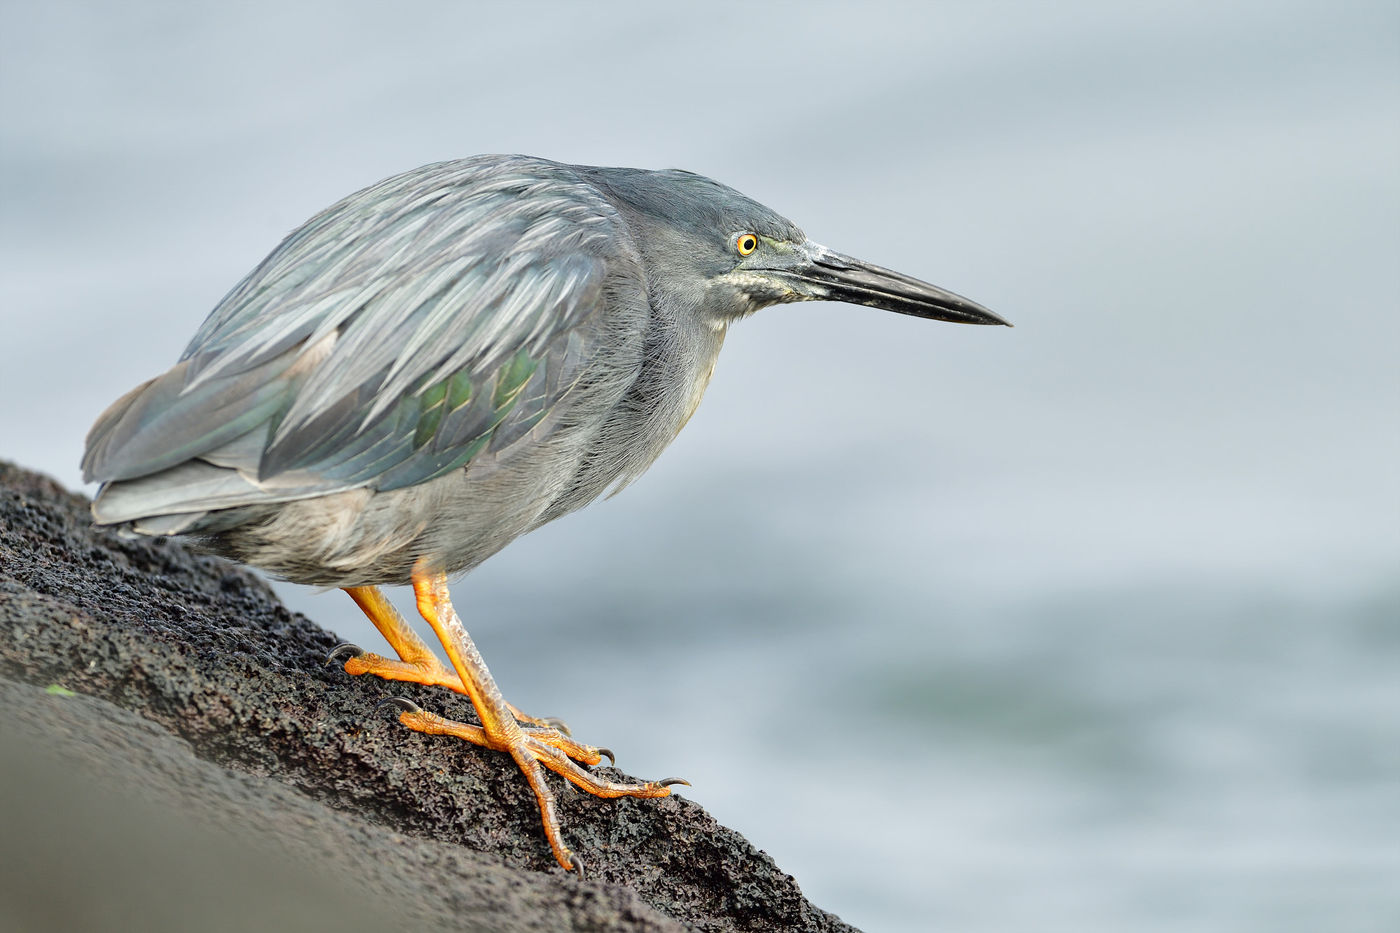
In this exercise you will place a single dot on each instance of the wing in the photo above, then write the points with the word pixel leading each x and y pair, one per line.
pixel 389 340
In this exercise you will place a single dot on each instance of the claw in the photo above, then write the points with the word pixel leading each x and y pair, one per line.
pixel 612 759
pixel 667 782
pixel 558 724
pixel 577 866
pixel 405 705
pixel 344 650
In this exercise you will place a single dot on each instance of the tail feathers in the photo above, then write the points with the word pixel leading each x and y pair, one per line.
pixel 166 524
pixel 193 486
pixel 178 498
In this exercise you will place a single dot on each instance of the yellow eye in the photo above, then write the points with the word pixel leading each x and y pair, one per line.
pixel 746 243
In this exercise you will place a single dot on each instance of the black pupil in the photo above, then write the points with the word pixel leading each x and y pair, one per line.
pixel 746 243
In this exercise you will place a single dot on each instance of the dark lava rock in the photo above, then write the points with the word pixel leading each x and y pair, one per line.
pixel 209 772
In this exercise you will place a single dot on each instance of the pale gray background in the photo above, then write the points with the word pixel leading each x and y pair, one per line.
pixel 1086 625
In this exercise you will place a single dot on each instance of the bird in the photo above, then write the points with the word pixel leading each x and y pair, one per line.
pixel 442 362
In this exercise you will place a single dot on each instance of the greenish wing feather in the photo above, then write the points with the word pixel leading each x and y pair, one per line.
pixel 442 426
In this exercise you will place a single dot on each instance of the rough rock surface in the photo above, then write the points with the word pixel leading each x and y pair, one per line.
pixel 212 773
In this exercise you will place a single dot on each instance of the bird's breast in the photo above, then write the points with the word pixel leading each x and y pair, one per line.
pixel 671 380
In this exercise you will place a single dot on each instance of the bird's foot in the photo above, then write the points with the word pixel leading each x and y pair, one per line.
pixel 545 744
pixel 428 670
pixel 535 744
pixel 531 748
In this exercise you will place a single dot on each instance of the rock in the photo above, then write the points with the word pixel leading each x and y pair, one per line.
pixel 208 771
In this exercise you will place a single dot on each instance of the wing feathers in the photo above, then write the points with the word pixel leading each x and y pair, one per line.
pixel 166 421
pixel 387 341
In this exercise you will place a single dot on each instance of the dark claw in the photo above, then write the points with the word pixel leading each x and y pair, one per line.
pixel 346 650
pixel 558 725
pixel 404 705
pixel 667 782
pixel 578 866
pixel 612 759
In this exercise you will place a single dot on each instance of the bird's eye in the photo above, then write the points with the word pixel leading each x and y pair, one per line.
pixel 746 243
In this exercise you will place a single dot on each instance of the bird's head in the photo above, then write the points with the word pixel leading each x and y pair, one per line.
pixel 708 247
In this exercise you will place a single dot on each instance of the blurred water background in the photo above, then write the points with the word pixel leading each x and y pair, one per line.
pixel 1089 625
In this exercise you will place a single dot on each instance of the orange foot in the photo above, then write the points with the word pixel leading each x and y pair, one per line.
pixel 531 741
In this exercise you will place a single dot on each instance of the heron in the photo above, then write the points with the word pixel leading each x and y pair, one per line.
pixel 442 362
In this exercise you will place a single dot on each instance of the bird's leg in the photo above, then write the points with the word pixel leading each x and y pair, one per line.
pixel 417 664
pixel 499 729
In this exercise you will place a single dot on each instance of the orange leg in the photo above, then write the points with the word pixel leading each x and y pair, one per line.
pixel 417 664
pixel 530 746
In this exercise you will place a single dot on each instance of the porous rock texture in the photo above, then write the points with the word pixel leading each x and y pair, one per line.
pixel 208 771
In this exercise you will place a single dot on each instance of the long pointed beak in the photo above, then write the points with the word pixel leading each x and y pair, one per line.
pixel 821 274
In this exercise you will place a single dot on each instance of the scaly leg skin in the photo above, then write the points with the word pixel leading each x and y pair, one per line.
pixel 499 729
pixel 417 664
